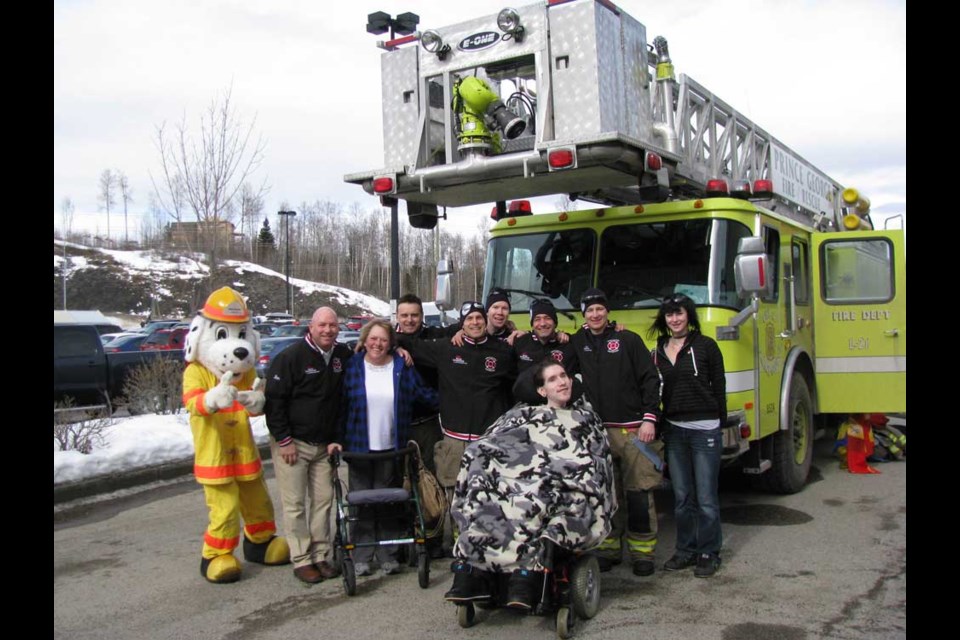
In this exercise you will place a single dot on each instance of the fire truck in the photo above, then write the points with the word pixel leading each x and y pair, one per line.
pixel 804 297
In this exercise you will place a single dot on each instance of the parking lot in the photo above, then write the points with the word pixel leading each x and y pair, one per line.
pixel 829 562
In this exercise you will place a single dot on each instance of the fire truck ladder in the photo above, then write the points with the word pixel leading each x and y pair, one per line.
pixel 714 141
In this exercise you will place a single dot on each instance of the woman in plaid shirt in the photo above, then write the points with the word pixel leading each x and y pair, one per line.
pixel 379 393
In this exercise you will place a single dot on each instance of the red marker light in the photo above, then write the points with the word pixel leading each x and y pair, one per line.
pixel 382 185
pixel 654 162
pixel 560 158
pixel 717 188
pixel 762 188
pixel 520 207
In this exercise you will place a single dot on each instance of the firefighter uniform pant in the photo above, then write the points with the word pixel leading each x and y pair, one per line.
pixel 227 503
pixel 447 455
pixel 636 519
pixel 311 476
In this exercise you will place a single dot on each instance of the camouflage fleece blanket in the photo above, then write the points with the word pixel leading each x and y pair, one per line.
pixel 536 473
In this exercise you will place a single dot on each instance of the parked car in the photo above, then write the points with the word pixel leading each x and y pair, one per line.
pixel 165 340
pixel 277 317
pixel 83 371
pixel 107 338
pixel 156 325
pixel 270 347
pixel 291 331
pixel 357 322
pixel 129 342
pixel 348 337
pixel 265 329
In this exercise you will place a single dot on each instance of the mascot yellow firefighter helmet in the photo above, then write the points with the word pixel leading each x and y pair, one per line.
pixel 225 305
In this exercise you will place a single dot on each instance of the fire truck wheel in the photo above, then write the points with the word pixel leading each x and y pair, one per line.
pixel 793 447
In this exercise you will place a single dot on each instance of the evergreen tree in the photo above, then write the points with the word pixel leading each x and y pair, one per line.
pixel 266 236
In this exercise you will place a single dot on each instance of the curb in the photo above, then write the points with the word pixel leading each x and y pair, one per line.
pixel 67 491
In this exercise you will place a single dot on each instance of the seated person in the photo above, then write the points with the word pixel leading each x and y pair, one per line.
pixel 538 472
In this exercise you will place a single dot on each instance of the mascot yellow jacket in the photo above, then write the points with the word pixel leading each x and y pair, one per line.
pixel 225 449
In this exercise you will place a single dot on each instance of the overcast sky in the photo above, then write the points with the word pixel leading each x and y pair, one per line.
pixel 828 79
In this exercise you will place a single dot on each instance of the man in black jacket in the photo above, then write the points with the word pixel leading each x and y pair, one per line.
pixel 543 341
pixel 303 410
pixel 425 425
pixel 475 382
pixel 624 387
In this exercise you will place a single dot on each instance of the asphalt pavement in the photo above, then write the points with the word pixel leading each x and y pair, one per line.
pixel 828 562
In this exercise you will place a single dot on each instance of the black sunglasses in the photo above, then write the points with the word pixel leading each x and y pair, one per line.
pixel 677 298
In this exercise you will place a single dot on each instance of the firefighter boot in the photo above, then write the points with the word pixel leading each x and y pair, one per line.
pixel 221 569
pixel 274 551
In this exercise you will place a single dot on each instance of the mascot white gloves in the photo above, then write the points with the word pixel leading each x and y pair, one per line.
pixel 220 391
pixel 254 399
pixel 221 396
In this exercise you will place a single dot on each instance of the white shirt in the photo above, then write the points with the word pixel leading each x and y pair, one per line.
pixel 380 405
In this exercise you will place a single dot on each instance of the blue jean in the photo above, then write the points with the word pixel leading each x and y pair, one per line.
pixel 693 457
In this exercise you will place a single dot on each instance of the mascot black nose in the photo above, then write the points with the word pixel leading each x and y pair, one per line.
pixel 241 353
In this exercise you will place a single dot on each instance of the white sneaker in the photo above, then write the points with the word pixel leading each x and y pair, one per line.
pixel 362 569
pixel 390 567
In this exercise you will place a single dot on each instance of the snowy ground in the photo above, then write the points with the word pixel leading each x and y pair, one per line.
pixel 133 443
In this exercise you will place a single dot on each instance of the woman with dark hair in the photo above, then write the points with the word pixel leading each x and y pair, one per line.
pixel 539 472
pixel 694 396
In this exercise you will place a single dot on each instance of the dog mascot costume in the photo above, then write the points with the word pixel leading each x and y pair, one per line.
pixel 220 391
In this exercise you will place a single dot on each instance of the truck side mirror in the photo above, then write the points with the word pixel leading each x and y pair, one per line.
pixel 751 269
pixel 444 298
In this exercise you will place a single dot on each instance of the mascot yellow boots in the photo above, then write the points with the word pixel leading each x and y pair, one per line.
pixel 221 391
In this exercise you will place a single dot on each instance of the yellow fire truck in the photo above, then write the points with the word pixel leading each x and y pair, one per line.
pixel 805 298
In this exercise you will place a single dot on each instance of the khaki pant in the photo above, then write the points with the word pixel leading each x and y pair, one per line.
pixel 446 455
pixel 636 517
pixel 307 529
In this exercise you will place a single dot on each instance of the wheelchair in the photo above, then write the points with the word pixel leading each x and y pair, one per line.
pixel 394 505
pixel 571 590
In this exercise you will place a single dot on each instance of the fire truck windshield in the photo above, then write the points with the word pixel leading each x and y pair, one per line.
pixel 639 264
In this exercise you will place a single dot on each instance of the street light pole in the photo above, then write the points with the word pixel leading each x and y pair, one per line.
pixel 66 265
pixel 286 262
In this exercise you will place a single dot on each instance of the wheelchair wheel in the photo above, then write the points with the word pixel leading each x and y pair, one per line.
pixel 349 576
pixel 585 587
pixel 466 615
pixel 565 621
pixel 423 568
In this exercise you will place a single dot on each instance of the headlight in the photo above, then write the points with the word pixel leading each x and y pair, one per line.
pixel 508 20
pixel 431 40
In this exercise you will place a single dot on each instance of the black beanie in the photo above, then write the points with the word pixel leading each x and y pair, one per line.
pixel 469 307
pixel 542 306
pixel 497 295
pixel 593 296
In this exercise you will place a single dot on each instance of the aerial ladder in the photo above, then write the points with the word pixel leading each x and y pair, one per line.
pixel 567 96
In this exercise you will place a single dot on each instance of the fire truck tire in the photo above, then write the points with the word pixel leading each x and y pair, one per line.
pixel 792 447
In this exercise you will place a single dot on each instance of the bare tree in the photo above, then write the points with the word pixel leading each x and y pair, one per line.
pixel 108 182
pixel 251 211
pixel 209 168
pixel 66 221
pixel 126 197
pixel 67 210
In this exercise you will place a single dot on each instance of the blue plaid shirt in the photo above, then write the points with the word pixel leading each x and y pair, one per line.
pixel 408 387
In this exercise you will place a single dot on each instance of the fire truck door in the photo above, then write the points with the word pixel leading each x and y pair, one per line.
pixel 860 328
